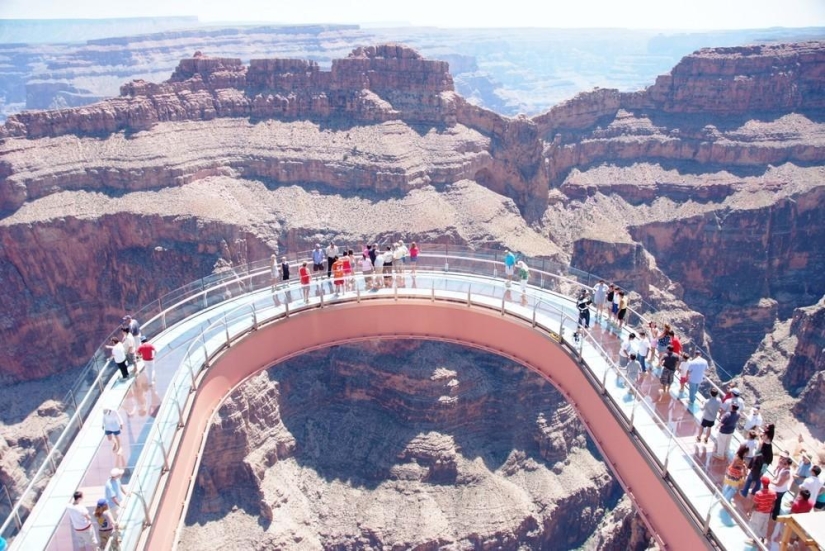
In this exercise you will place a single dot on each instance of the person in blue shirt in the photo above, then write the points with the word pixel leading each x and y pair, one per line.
pixel 509 265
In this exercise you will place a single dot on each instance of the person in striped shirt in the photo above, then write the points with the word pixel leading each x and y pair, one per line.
pixel 763 502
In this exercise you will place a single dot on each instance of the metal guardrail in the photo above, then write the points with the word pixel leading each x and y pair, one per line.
pixel 178 304
pixel 146 483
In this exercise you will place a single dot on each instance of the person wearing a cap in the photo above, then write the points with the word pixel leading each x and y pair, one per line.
pixel 147 353
pixel 114 490
pixel 696 367
pixel 317 259
pixel 83 536
pixel 754 420
pixel 735 398
pixel 763 503
pixel 106 524
pixel 509 265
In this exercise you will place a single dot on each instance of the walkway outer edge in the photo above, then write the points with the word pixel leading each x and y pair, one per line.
pixel 476 327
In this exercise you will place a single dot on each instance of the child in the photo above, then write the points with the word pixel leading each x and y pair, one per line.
pixel 683 372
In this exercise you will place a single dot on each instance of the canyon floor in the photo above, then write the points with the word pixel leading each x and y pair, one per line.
pixel 403 445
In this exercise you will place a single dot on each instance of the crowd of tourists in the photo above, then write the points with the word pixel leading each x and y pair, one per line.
pixel 754 475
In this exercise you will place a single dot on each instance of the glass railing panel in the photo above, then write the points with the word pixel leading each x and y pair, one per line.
pixel 231 283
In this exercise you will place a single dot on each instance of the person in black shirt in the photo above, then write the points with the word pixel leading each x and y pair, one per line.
pixel 583 304
pixel 669 362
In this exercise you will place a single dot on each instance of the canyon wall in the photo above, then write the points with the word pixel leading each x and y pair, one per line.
pixel 711 215
pixel 398 444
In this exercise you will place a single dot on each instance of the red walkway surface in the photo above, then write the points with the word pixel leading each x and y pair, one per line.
pixel 474 327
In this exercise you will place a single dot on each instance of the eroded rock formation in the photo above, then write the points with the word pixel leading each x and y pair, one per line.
pixel 712 213
pixel 398 444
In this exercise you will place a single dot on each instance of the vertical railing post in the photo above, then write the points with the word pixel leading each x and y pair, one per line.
pixel 147 520
pixel 163 319
pixel 49 453
pixel 192 371
pixel 502 306
pixel 180 412
pixel 254 317
pixel 667 456
pixel 321 286
pixel 163 452
pixel 633 411
pixel 432 294
pixel 286 307
pixel 604 380
pixel 226 328
pixel 72 398
pixel 469 290
pixel 358 292
pixel 12 508
pixel 535 308
pixel 395 289
pixel 706 523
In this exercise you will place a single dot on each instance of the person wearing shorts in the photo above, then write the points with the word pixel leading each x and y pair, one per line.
pixel 709 412
pixel 317 259
pixel 668 364
pixel 509 264
pixel 112 425
pixel 414 255
pixel 622 312
pixel 614 308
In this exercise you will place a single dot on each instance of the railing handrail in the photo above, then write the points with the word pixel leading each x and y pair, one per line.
pixel 224 280
pixel 189 360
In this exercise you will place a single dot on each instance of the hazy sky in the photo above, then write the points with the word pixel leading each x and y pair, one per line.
pixel 649 14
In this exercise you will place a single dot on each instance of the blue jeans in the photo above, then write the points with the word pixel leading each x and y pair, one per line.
pixel 693 388
pixel 642 363
pixel 728 492
pixel 756 481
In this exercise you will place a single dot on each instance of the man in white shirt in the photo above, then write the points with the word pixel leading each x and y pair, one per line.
pixel 696 374
pixel 84 537
pixel 813 483
pixel 754 420
pixel 642 351
pixel 130 346
pixel 628 347
pixel 119 356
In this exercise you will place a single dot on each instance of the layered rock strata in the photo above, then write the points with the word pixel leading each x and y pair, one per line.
pixel 711 214
pixel 398 444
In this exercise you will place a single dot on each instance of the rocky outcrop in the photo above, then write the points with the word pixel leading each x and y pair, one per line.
pixel 72 296
pixel 398 444
pixel 373 84
pixel 808 327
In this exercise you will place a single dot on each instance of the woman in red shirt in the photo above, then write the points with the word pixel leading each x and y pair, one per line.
pixel 303 273
pixel 414 250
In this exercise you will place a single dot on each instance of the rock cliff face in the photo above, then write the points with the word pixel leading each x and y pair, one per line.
pixel 398 444
pixel 373 84
pixel 713 215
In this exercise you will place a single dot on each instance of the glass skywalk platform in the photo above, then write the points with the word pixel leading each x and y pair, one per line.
pixel 203 320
